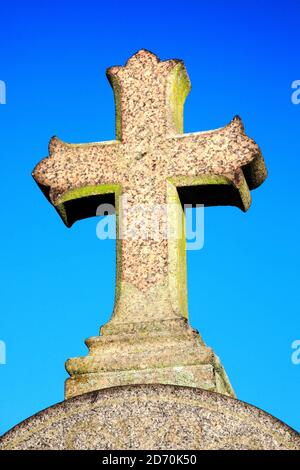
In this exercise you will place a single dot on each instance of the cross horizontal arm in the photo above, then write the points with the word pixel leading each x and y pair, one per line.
pixel 75 171
pixel 223 156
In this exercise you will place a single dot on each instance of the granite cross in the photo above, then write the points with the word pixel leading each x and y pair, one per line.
pixel 151 162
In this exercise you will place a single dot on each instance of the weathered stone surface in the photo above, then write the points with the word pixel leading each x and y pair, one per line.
pixel 151 417
pixel 152 163
pixel 174 355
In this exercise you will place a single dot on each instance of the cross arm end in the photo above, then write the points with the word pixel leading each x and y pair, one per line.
pixel 77 178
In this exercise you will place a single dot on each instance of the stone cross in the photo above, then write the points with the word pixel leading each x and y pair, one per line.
pixel 154 164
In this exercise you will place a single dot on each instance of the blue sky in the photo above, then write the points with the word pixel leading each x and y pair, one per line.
pixel 57 284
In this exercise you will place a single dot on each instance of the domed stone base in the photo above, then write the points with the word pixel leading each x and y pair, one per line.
pixel 151 417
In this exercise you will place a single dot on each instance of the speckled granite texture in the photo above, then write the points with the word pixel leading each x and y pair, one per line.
pixel 151 417
pixel 151 162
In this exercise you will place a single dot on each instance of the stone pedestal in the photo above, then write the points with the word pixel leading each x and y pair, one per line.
pixel 151 417
pixel 165 352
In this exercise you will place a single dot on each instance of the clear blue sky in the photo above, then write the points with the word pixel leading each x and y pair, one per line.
pixel 57 284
